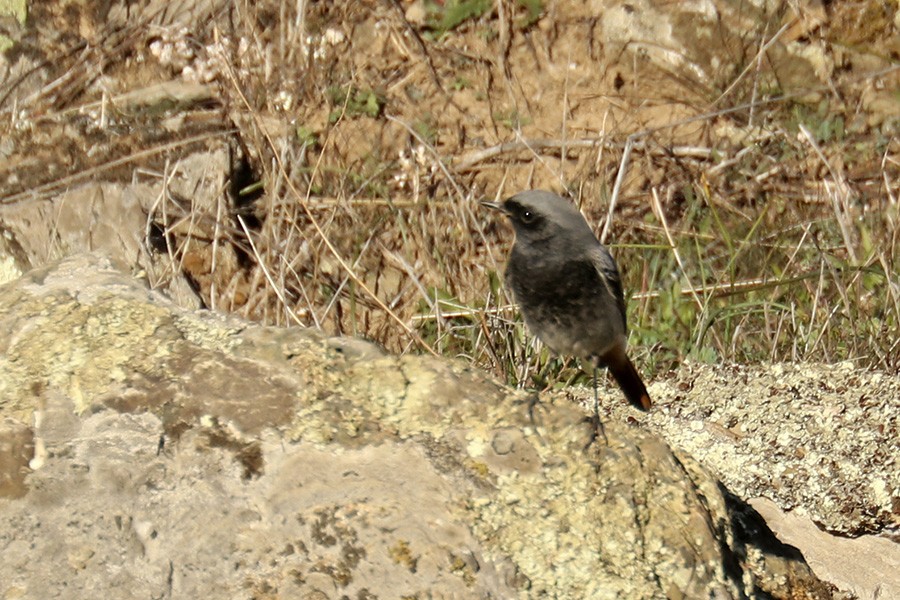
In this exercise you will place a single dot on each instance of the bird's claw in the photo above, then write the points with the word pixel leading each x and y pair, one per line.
pixel 530 403
pixel 597 430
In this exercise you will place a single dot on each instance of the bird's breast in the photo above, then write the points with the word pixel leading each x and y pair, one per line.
pixel 565 303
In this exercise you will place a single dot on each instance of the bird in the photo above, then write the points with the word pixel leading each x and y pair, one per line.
pixel 568 288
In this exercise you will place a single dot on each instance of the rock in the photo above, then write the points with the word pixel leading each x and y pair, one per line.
pixel 868 565
pixel 16 450
pixel 188 454
pixel 105 218
pixel 821 438
pixel 811 447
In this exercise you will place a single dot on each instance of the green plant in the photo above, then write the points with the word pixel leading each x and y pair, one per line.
pixel 354 102
pixel 455 12
pixel 511 119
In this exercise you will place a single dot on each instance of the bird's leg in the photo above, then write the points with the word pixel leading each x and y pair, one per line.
pixel 534 398
pixel 596 424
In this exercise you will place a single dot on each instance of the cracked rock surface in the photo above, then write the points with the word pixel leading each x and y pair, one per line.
pixel 151 451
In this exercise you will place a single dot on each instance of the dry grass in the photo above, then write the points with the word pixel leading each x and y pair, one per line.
pixel 769 250
pixel 771 235
pixel 770 253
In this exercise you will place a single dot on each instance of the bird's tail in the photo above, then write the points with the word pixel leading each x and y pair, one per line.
pixel 629 380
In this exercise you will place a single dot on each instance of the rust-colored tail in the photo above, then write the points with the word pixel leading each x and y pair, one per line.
pixel 629 380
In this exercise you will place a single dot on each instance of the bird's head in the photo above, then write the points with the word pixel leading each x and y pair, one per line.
pixel 539 216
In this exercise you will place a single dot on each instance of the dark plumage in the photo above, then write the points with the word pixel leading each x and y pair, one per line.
pixel 568 287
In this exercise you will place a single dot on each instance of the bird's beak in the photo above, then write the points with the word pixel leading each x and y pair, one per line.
pixel 495 206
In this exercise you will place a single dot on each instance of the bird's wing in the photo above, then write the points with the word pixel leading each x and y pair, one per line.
pixel 609 275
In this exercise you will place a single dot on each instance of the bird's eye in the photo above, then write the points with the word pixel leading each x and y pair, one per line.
pixel 527 217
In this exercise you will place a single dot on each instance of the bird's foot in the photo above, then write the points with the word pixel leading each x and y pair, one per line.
pixel 597 430
pixel 532 401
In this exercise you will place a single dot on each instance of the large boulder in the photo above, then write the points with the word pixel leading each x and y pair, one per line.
pixel 153 451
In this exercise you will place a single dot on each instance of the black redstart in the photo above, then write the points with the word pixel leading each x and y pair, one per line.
pixel 568 287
